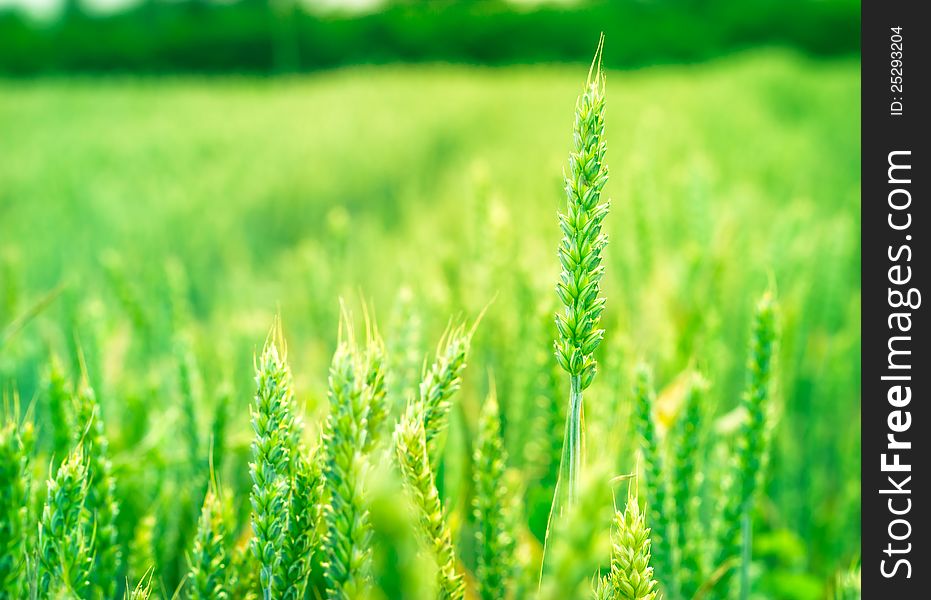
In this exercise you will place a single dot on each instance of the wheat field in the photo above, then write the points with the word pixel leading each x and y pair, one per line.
pixel 224 301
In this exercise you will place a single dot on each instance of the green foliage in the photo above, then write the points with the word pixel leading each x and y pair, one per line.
pixel 490 508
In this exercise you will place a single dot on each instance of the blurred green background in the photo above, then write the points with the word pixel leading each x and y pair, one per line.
pixel 267 36
pixel 133 190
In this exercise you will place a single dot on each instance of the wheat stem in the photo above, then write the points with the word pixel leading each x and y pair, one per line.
pixel 574 428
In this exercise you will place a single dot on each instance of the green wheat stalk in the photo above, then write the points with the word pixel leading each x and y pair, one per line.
pixel 750 452
pixel 208 560
pixel 442 380
pixel 272 424
pixel 411 452
pixel 16 445
pixel 494 540
pixel 187 386
pixel 655 480
pixel 631 575
pixel 376 389
pixel 101 493
pixel 686 490
pixel 348 531
pixel 580 255
pixel 301 537
pixel 63 557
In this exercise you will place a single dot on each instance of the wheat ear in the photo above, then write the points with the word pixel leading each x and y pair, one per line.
pixel 411 452
pixel 101 493
pixel 751 444
pixel 580 255
pixel 376 390
pixel 442 380
pixel 348 531
pixel 655 475
pixel 301 538
pixel 16 445
pixel 494 540
pixel 63 554
pixel 686 490
pixel 631 574
pixel 272 423
pixel 208 560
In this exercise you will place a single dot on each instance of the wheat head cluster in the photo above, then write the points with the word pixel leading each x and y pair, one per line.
pixel 308 529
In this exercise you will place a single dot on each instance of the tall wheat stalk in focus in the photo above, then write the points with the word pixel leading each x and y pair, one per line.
pixel 580 255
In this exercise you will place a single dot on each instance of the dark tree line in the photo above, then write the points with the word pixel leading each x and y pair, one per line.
pixel 268 36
